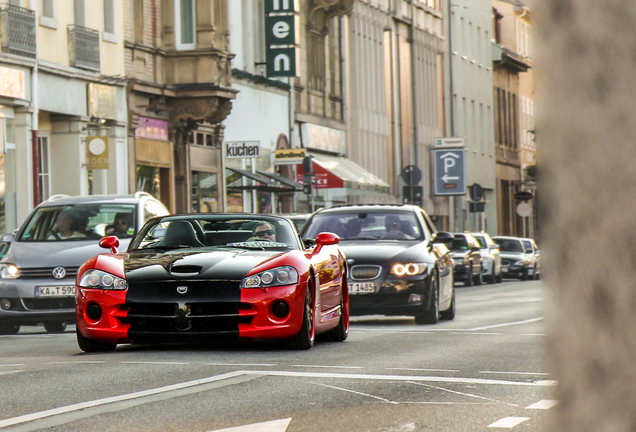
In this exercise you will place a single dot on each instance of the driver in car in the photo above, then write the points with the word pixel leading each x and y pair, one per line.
pixel 264 231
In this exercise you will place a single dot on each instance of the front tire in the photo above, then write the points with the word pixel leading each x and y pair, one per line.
pixel 304 339
pixel 469 277
pixel 55 326
pixel 431 316
pixel 89 345
pixel 9 329
pixel 449 314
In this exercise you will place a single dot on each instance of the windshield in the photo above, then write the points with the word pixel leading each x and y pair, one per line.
pixel 481 241
pixel 80 222
pixel 366 226
pixel 527 245
pixel 459 243
pixel 240 231
pixel 506 245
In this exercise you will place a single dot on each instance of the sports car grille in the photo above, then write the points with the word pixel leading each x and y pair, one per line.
pixel 364 272
pixel 46 272
pixel 48 303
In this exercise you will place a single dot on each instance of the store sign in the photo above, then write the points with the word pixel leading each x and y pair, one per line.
pixel 282 34
pixel 152 129
pixel 12 83
pixel 449 142
pixel 289 156
pixel 323 179
pixel 97 152
pixel 242 149
pixel 324 138
pixel 102 101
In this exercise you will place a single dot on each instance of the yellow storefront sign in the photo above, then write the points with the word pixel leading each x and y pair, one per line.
pixel 289 156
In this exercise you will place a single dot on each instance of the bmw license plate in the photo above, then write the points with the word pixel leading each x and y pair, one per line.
pixel 361 287
pixel 55 291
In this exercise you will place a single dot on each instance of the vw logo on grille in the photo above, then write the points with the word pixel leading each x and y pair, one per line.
pixel 182 289
pixel 59 272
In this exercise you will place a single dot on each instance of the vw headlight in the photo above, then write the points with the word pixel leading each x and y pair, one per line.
pixel 9 271
pixel 101 280
pixel 278 276
pixel 410 269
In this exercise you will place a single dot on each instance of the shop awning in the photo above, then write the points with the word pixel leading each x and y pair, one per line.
pixel 266 184
pixel 282 180
pixel 340 172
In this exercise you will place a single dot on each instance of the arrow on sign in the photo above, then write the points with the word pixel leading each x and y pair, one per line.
pixel 270 426
pixel 446 178
pixel 445 155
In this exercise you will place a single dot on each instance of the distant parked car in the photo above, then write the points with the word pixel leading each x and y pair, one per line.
pixel 465 250
pixel 40 262
pixel 490 258
pixel 519 260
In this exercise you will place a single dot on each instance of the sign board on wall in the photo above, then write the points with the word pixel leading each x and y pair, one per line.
pixel 289 156
pixel 449 172
pixel 323 138
pixel 12 83
pixel 152 129
pixel 282 35
pixel 242 149
pixel 97 152
pixel 102 101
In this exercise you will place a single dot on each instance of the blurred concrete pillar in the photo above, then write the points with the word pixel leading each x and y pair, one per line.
pixel 585 73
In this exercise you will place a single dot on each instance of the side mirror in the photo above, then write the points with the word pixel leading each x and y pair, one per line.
pixel 495 246
pixel 528 251
pixel 326 239
pixel 475 249
pixel 7 238
pixel 110 242
pixel 158 233
pixel 443 237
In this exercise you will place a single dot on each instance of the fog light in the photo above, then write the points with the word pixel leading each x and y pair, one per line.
pixel 94 312
pixel 5 304
pixel 280 309
pixel 415 298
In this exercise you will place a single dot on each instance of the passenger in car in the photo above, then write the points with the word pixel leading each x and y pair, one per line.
pixel 392 226
pixel 120 225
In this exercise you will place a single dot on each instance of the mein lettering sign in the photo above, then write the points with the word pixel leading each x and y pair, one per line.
pixel 242 149
pixel 282 35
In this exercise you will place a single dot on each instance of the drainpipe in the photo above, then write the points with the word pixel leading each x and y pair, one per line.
pixel 35 145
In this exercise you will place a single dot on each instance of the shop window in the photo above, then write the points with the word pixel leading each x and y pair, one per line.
pixel 205 195
pixel 185 30
pixel 149 180
pixel 109 21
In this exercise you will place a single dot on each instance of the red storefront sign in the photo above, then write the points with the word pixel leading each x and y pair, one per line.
pixel 323 179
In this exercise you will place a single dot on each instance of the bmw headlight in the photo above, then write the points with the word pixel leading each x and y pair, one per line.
pixel 409 269
pixel 278 276
pixel 101 280
pixel 9 271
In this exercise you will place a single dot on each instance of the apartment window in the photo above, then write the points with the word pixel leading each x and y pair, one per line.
pixel 45 181
pixel 79 12
pixel 185 30
pixel 138 21
pixel 47 14
pixel 109 21
pixel 201 139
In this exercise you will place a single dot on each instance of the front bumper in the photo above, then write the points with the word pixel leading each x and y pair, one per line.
pixel 391 296
pixel 165 320
pixel 514 272
pixel 27 309
pixel 460 272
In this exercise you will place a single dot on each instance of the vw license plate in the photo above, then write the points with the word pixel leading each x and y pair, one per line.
pixel 55 291
pixel 361 287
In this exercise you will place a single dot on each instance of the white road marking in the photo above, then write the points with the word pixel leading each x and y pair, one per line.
pixel 478 298
pixel 77 362
pixel 240 364
pixel 154 363
pixel 508 324
pixel 270 426
pixel 10 372
pixel 398 378
pixel 543 404
pixel 425 370
pixel 508 422
pixel 514 373
pixel 476 334
pixel 530 300
pixel 533 334
pixel 463 394
pixel 329 367
pixel 12 365
pixel 89 404
pixel 358 393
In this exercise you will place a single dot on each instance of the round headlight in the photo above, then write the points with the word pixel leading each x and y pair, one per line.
pixel 107 280
pixel 5 304
pixel 282 276
pixel 398 270
pixel 93 279
pixel 412 269
pixel 267 278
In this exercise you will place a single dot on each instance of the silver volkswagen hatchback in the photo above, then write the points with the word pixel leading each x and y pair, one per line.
pixel 40 262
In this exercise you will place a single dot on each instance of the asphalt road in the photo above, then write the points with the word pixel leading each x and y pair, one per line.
pixel 484 371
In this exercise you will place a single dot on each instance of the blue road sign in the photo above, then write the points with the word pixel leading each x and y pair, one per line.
pixel 449 172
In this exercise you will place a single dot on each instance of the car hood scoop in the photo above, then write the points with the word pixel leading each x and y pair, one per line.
pixel 186 269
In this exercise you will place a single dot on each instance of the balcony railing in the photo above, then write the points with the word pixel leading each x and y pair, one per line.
pixel 17 30
pixel 83 47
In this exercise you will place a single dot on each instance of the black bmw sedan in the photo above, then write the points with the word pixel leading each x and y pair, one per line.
pixel 398 263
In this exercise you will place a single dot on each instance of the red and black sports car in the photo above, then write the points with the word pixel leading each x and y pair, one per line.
pixel 198 277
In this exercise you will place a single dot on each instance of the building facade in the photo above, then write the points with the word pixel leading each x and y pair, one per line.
pixel 62 64
pixel 509 68
pixel 178 65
